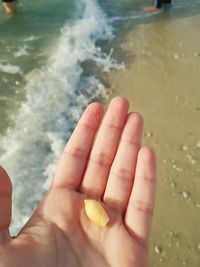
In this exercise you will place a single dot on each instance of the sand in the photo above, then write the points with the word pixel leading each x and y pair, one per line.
pixel 162 82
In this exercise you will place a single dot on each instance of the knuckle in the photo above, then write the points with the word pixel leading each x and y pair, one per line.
pixel 101 159
pixel 144 207
pixel 123 174
pixel 87 127
pixel 150 179
pixel 76 152
pixel 112 126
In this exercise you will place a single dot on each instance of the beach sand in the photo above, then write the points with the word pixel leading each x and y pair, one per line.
pixel 162 82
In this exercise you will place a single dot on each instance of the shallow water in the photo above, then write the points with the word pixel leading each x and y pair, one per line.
pixel 42 89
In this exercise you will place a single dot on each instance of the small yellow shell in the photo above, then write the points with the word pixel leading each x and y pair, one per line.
pixel 96 212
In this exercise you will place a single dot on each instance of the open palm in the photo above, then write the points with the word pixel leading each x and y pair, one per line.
pixel 111 168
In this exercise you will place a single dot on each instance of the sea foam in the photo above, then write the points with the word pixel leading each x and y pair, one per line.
pixel 55 98
pixel 11 69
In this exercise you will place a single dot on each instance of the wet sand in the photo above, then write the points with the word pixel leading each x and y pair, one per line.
pixel 162 82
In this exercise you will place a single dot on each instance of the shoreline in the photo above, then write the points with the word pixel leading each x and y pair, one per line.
pixel 161 81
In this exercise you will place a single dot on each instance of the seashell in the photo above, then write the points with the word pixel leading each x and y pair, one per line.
pixel 96 213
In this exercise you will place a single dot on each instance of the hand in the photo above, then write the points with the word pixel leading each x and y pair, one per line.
pixel 111 168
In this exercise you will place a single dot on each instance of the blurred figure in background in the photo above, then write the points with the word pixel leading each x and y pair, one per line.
pixel 157 5
pixel 9 6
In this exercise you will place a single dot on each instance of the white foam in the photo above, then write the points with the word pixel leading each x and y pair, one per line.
pixel 22 51
pixel 3 98
pixel 56 97
pixel 140 15
pixel 31 38
pixel 11 69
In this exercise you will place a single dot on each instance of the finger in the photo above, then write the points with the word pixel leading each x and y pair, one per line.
pixel 74 158
pixel 5 204
pixel 122 172
pixel 142 200
pixel 104 149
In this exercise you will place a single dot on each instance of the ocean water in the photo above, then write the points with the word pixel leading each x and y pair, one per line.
pixel 46 81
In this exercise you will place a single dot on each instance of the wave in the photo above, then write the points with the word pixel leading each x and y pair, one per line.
pixel 132 17
pixel 55 98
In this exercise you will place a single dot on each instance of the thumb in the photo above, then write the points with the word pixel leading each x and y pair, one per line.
pixel 5 205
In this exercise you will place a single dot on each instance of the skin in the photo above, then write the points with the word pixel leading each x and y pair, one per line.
pixel 109 166
pixel 152 9
pixel 10 8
